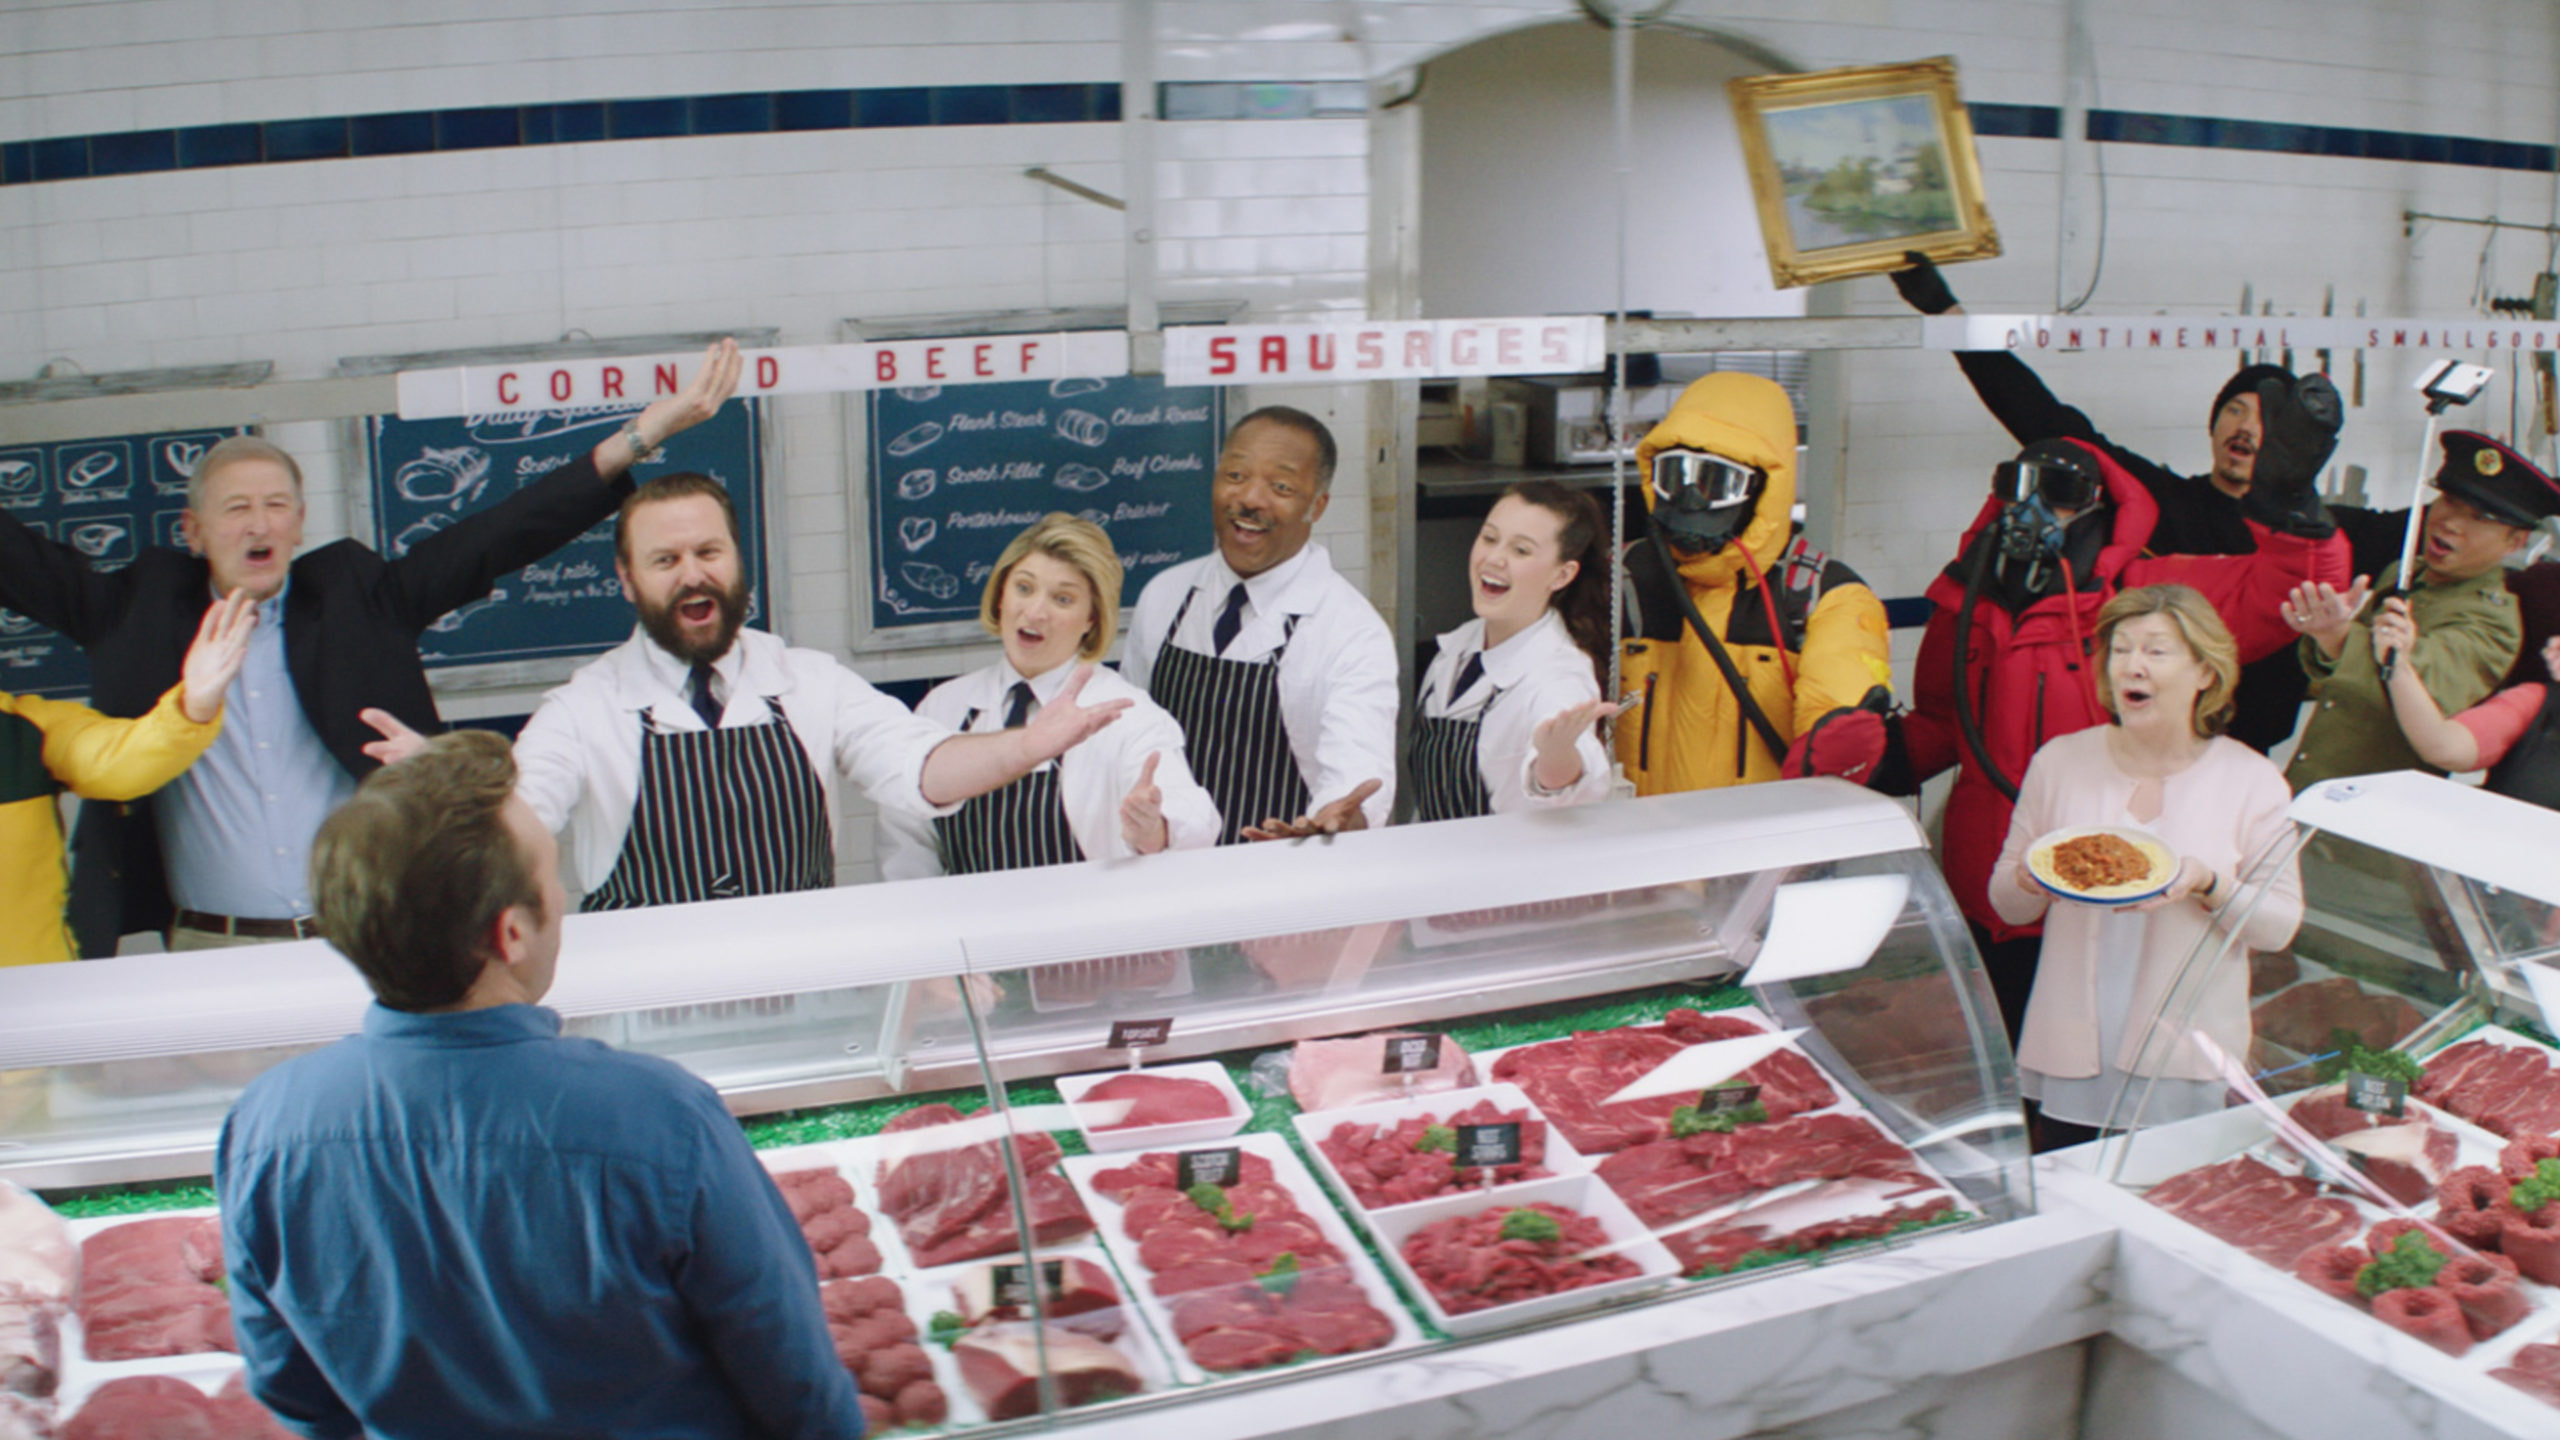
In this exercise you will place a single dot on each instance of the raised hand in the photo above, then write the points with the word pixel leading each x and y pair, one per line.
pixel 213 661
pixel 1343 814
pixel 1142 811
pixel 398 741
pixel 1062 724
pixel 1556 740
pixel 2324 612
pixel 714 381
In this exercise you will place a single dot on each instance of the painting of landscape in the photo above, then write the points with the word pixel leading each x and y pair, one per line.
pixel 1862 170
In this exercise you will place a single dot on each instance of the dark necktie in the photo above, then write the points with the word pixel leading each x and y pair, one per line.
pixel 1230 620
pixel 1468 675
pixel 1017 705
pixel 705 704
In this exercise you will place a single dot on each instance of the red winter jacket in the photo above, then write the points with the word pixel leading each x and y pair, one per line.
pixel 2031 676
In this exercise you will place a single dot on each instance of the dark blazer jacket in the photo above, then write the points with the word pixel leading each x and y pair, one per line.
pixel 351 629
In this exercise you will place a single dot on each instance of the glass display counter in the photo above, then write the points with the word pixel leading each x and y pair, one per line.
pixel 1257 1112
pixel 2386 1151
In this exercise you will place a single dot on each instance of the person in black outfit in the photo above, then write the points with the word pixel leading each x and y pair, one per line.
pixel 2204 514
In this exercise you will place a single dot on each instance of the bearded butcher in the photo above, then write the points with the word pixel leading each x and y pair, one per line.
pixel 1278 669
pixel 459 1221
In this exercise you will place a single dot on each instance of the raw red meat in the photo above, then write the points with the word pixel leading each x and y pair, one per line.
pixel 2327 1115
pixel 1568 1079
pixel 1668 1180
pixel 878 1416
pixel 838 1232
pixel 2485 1287
pixel 2301 1018
pixel 2331 1270
pixel 923 1403
pixel 1469 1266
pixel 38 1263
pixel 1224 1313
pixel 2519 1159
pixel 146 1407
pixel 2428 1314
pixel 1329 1074
pixel 2533 1242
pixel 851 1299
pixel 953 1203
pixel 1155 1100
pixel 1000 1364
pixel 30 1349
pixel 2244 1203
pixel 1715 1247
pixel 822 1191
pixel 1382 1164
pixel 238 1415
pixel 147 1289
pixel 2509 1089
pixel 2472 1206
pixel 2535 1370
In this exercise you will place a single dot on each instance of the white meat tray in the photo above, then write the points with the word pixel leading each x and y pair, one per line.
pixel 1584 1194
pixel 1073 1088
pixel 81 1376
pixel 1290 1174
pixel 929 1291
pixel 1434 1106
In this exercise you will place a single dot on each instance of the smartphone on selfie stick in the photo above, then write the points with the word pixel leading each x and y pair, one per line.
pixel 2445 384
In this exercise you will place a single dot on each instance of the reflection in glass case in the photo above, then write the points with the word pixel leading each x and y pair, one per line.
pixel 1256 1110
pixel 2392 1137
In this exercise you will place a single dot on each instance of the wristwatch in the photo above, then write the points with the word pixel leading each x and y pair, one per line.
pixel 642 452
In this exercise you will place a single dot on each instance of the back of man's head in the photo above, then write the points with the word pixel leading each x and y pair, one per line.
pixel 411 875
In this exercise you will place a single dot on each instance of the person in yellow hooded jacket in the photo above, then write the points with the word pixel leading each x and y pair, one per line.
pixel 1767 658
pixel 48 746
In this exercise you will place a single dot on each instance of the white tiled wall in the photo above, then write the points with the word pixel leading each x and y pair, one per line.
pixel 305 264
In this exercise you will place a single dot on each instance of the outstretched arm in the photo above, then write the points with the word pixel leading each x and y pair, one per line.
pixel 968 765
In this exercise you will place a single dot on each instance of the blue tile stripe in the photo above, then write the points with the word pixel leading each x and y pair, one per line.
pixel 416 132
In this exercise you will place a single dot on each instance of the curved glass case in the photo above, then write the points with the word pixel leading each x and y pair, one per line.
pixel 1256 1110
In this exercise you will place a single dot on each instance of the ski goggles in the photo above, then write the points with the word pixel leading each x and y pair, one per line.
pixel 1719 482
pixel 2062 486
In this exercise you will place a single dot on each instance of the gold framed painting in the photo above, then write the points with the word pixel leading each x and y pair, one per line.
pixel 1850 168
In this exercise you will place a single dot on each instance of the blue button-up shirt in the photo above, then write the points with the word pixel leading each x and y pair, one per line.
pixel 237 827
pixel 465 1224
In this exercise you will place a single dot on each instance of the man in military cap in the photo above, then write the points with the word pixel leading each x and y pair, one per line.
pixel 2489 500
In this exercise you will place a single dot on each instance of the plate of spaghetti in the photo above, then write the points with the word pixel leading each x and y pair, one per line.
pixel 2102 864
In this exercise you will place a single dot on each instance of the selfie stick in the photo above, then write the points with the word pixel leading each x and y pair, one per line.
pixel 2446 384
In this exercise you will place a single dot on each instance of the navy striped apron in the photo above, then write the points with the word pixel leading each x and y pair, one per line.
pixel 1012 827
pixel 720 814
pixel 1232 731
pixel 1448 775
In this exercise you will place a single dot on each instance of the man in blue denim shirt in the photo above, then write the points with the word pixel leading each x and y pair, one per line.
pixel 460 1223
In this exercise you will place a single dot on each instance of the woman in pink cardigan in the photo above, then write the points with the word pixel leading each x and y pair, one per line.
pixel 2161 766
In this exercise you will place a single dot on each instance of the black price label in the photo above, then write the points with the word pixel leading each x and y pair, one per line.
pixel 1407 1054
pixel 1717 1099
pixel 2377 1096
pixel 1138 1034
pixel 1221 1167
pixel 1489 1145
pixel 1012 1283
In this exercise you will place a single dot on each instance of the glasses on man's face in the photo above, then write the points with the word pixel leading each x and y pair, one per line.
pixel 1720 482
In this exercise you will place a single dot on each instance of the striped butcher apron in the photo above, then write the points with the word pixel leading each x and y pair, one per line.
pixel 1012 827
pixel 1232 732
pixel 1448 776
pixel 720 814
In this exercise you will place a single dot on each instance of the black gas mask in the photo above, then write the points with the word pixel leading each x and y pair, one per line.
pixel 1701 501
pixel 2049 483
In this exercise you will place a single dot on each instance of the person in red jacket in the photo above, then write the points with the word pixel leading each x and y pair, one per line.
pixel 2004 664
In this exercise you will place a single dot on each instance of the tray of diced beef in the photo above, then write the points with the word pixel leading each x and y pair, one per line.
pixel 1400 1151
pixel 1242 1276
pixel 1480 1262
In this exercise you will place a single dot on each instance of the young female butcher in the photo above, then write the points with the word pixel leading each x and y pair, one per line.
pixel 2163 766
pixel 1507 708
pixel 1054 600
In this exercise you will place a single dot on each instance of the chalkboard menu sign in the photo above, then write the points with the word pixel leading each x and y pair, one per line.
pixel 956 473
pixel 429 473
pixel 105 498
